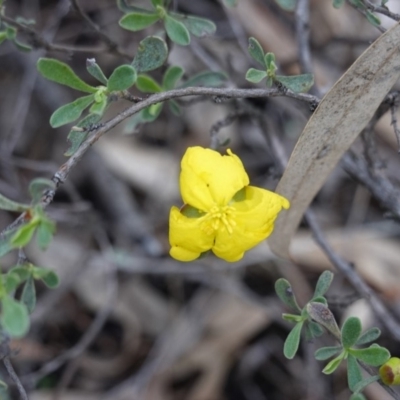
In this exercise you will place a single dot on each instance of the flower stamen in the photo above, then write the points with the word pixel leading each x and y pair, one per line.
pixel 219 217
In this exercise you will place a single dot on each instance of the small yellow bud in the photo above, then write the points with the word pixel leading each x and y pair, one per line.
pixel 390 372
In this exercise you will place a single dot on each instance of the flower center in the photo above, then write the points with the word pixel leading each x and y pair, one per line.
pixel 219 217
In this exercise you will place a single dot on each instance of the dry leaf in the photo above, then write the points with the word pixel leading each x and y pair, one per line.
pixel 336 123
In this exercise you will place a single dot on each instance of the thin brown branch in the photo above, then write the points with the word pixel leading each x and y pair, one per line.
pixel 381 10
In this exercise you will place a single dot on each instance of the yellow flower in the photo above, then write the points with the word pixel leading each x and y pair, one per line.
pixel 221 212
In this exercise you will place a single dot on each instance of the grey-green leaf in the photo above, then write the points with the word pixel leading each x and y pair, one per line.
pixel 333 364
pixel 351 331
pixel 62 73
pixel 171 77
pixel 357 396
pixel 321 314
pixel 285 292
pixel 206 78
pixel 14 317
pixel 99 107
pixel 374 355
pixel 369 336
pixel 70 112
pixel 256 51
pixel 255 75
pixel 197 26
pixel 297 83
pixel 147 84
pixel 292 341
pixel 45 233
pixel 354 375
pixel 49 277
pixel 10 205
pixel 37 186
pixel 174 107
pixel 324 281
pixel 122 78
pixel 327 352
pixel 365 382
pixel 23 235
pixel 28 296
pixel 151 54
pixel 338 3
pixel 136 21
pixel 372 18
pixel 94 69
pixel 176 31
pixel 76 137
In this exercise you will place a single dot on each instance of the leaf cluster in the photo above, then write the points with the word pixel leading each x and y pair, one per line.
pixel 296 83
pixel 178 27
pixel 371 17
pixel 316 313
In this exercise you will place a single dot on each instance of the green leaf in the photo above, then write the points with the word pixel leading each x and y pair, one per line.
pixel 70 112
pixel 313 330
pixel 3 36
pixel 269 62
pixel 11 282
pixel 176 31
pixel 372 18
pixel 49 278
pixel 136 21
pixel 197 26
pixel 45 233
pixel 24 234
pixel 354 375
pixel 256 51
pixel 5 242
pixel 288 5
pixel 206 78
pixel 320 299
pixel 99 107
pixel 255 75
pixel 174 107
pixel 321 314
pixel 76 137
pixel 338 3
pixel 10 205
pixel 171 77
pixel 11 32
pixel 94 69
pixel 61 73
pixel 22 272
pixel 351 331
pixel 297 83
pixel 122 78
pixel 324 281
pixel 22 46
pixel 28 296
pixel 334 364
pixel 14 317
pixel 127 8
pixel 38 186
pixel 150 114
pixel 151 54
pixel 147 84
pixel 292 341
pixel 327 352
pixel 292 317
pixel 374 355
pixel 365 382
pixel 369 336
pixel 156 3
pixel 285 292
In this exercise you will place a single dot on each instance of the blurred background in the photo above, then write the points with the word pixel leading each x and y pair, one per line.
pixel 129 322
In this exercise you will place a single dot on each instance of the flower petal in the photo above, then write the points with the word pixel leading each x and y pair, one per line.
pixel 186 237
pixel 254 219
pixel 208 178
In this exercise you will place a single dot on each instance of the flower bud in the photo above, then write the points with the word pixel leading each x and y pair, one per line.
pixel 390 372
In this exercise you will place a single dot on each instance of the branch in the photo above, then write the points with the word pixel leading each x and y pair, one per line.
pixel 381 10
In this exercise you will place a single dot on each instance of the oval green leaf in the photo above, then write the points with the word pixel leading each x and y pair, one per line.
pixel 354 375
pixel 176 31
pixel 49 278
pixel 324 281
pixel 147 84
pixel 374 355
pixel 151 54
pixel 136 21
pixel 14 317
pixel 28 296
pixel 62 73
pixel 94 69
pixel 334 364
pixel 255 75
pixel 256 51
pixel 351 331
pixel 197 26
pixel 297 83
pixel 10 205
pixel 70 112
pixel 324 353
pixel 285 292
pixel 171 77
pixel 292 341
pixel 369 336
pixel 122 78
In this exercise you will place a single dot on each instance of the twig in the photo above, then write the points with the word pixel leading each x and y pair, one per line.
pixel 347 269
pixel 363 12
pixel 5 356
pixel 381 10
pixel 112 46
